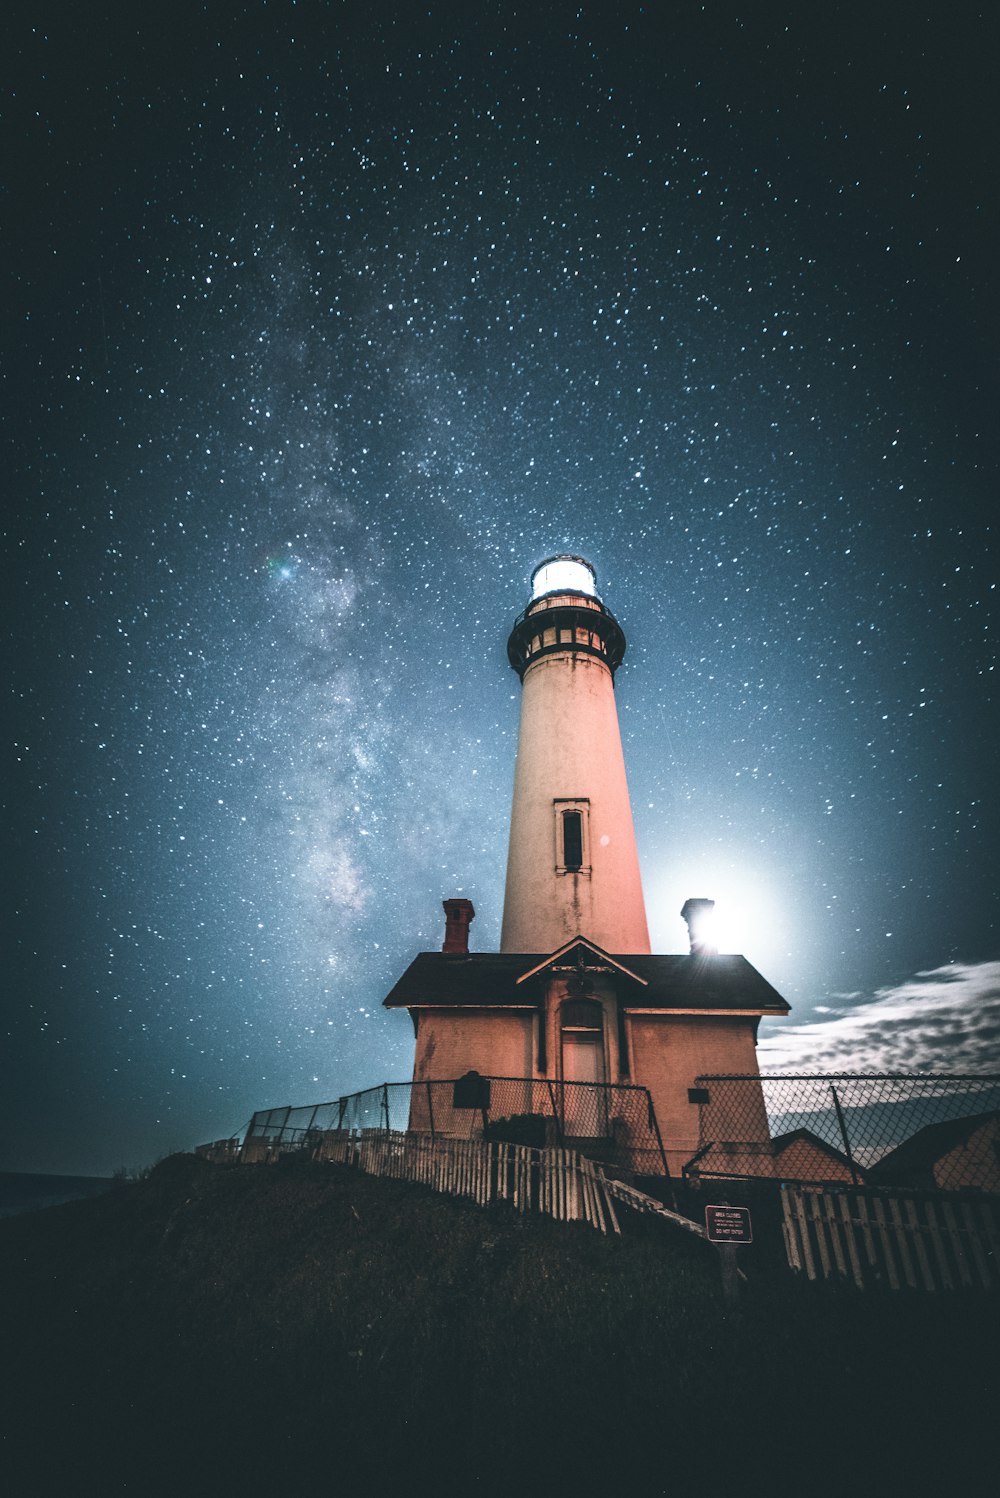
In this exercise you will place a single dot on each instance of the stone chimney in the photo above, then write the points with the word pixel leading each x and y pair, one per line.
pixel 458 917
pixel 698 914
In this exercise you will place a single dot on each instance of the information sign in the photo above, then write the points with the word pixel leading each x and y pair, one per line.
pixel 728 1225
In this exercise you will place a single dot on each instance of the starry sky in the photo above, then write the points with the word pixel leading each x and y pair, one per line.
pixel 324 323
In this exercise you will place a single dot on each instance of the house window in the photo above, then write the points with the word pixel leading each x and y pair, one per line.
pixel 572 837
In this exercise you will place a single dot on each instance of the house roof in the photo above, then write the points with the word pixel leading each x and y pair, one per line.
pixel 931 1142
pixel 680 984
pixel 782 1142
pixel 580 952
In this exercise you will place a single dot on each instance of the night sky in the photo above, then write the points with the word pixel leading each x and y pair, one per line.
pixel 324 323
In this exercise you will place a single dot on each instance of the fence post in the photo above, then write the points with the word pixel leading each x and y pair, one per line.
pixel 655 1124
pixel 555 1113
pixel 729 1272
pixel 430 1109
pixel 385 1104
pixel 843 1134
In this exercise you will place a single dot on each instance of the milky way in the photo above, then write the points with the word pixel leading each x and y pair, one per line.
pixel 327 324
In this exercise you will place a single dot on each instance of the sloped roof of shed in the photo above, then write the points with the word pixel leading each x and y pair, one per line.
pixel 932 1141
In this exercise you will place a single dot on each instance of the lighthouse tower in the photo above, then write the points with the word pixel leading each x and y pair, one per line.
pixel 572 866
pixel 574 1012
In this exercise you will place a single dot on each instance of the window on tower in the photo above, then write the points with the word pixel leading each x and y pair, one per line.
pixel 572 839
pixel 572 836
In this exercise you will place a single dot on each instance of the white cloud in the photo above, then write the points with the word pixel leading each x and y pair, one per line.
pixel 947 1019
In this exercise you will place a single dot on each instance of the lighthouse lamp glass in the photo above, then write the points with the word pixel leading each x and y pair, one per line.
pixel 564 574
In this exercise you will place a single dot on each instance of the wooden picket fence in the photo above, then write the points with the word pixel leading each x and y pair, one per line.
pixel 558 1182
pixel 561 1183
pixel 910 1241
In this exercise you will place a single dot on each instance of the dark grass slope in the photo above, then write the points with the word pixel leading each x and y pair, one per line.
pixel 305 1329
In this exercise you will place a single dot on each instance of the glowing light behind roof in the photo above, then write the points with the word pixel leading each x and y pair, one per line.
pixel 564 575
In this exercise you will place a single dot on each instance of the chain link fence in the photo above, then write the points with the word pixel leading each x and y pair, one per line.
pixel 922 1132
pixel 615 1125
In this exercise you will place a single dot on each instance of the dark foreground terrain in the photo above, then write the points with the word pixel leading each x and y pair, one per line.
pixel 304 1329
pixel 21 1192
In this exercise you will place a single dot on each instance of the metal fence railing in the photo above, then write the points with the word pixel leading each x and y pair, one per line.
pixel 220 1151
pixel 613 1124
pixel 927 1132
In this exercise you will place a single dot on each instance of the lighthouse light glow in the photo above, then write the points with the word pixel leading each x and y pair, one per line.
pixel 564 574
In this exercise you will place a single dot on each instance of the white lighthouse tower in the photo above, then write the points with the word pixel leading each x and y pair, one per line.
pixel 572 866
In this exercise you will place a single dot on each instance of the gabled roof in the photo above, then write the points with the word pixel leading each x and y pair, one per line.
pixel 686 982
pixel 669 984
pixel 793 1151
pixel 928 1144
pixel 577 952
pixel 782 1142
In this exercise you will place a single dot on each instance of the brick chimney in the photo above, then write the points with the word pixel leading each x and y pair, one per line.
pixel 698 914
pixel 458 917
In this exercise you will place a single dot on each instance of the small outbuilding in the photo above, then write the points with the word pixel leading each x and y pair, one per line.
pixel 952 1155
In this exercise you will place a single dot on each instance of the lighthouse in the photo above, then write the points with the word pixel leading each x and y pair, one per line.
pixel 574 1016
pixel 572 864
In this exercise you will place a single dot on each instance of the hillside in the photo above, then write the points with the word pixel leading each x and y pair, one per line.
pixel 213 1330
pixel 21 1191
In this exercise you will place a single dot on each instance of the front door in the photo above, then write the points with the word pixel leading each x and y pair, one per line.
pixel 585 1109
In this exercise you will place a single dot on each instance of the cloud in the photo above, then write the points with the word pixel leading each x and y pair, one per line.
pixel 947 1019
